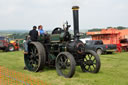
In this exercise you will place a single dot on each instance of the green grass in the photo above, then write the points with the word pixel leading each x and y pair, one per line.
pixel 114 70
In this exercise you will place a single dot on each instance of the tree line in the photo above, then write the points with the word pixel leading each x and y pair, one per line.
pixel 18 35
pixel 98 29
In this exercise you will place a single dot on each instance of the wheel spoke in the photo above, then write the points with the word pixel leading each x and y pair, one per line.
pixel 37 54
pixel 94 63
pixel 86 58
pixel 32 50
pixel 93 66
pixel 88 68
pixel 66 60
pixel 31 62
pixel 94 59
pixel 59 65
pixel 61 59
pixel 90 56
pixel 35 51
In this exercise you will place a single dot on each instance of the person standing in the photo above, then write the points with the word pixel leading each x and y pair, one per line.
pixel 33 36
pixel 25 45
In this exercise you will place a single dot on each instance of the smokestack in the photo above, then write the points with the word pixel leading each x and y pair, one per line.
pixel 76 21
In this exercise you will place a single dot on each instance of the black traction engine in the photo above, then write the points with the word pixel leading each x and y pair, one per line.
pixel 60 50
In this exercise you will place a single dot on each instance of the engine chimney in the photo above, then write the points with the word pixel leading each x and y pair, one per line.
pixel 76 21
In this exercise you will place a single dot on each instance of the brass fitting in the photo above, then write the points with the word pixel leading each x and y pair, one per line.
pixel 75 8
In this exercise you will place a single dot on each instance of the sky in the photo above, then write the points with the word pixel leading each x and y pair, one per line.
pixel 23 14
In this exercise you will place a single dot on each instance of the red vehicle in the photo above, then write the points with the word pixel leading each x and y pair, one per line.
pixel 6 45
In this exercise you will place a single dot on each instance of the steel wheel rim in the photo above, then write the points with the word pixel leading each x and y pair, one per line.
pixel 64 64
pixel 32 60
pixel 90 63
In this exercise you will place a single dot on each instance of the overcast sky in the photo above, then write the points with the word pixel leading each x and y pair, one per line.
pixel 23 14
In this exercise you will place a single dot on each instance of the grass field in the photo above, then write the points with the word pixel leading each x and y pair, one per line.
pixel 114 70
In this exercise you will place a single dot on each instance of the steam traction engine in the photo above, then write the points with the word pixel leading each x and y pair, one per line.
pixel 59 50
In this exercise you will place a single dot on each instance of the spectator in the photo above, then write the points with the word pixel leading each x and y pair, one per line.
pixel 26 40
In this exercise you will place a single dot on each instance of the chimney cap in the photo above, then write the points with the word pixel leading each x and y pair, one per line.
pixel 75 7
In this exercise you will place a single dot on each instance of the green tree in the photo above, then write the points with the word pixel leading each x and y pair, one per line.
pixel 121 27
pixel 94 29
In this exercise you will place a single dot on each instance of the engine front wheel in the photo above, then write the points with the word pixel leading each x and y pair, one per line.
pixel 91 62
pixel 65 64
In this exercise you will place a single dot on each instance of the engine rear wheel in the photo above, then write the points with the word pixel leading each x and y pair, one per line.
pixel 36 57
pixel 65 64
pixel 91 62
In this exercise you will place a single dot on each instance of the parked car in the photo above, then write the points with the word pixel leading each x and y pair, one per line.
pixel 7 45
pixel 99 47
